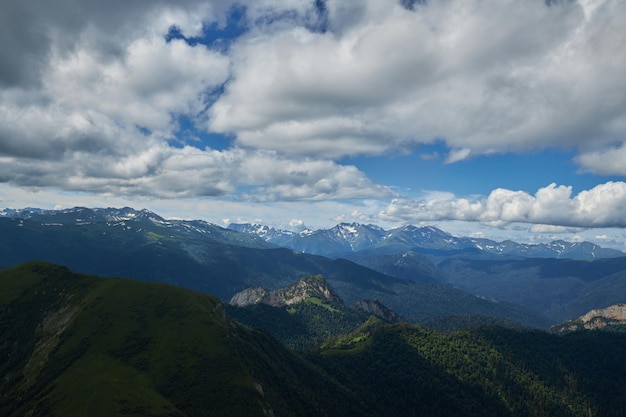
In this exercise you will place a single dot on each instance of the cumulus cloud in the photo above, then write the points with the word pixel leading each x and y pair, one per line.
pixel 161 171
pixel 551 209
pixel 154 80
pixel 91 97
pixel 32 30
pixel 102 101
pixel 549 228
pixel 484 76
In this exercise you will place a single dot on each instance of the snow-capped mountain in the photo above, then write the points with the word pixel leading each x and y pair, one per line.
pixel 354 237
pixel 82 214
pixel 345 237
pixel 141 222
pixel 341 239
pixel 267 233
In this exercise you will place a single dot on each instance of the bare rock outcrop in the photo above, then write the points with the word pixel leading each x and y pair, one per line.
pixel 614 315
pixel 313 286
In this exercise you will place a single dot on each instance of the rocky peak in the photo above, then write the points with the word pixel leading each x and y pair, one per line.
pixel 595 319
pixel 378 309
pixel 615 312
pixel 314 286
pixel 249 296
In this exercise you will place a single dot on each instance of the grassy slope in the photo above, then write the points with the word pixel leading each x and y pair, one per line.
pixel 87 346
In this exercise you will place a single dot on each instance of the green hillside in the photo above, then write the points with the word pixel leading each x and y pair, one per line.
pixel 491 371
pixel 78 345
pixel 302 326
pixel 83 346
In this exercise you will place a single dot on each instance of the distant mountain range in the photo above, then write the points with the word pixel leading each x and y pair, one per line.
pixel 559 279
pixel 197 255
pixel 341 239
pixel 347 238
pixel 117 218
pixel 419 273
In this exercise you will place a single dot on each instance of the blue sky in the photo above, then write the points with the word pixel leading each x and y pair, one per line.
pixel 424 169
pixel 491 118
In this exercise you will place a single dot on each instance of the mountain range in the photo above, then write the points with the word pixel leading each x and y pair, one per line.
pixel 445 276
pixel 81 345
pixel 74 343
pixel 345 238
pixel 560 279
pixel 201 256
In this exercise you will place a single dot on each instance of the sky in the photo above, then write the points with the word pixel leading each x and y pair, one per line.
pixel 490 118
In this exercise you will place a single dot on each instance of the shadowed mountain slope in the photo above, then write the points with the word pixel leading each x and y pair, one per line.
pixel 80 345
pixel 217 261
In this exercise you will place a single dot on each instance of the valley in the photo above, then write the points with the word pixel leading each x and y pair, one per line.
pixel 122 312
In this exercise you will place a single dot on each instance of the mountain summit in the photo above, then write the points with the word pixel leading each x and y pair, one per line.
pixel 346 238
pixel 306 288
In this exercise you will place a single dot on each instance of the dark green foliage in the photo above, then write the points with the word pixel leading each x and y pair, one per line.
pixel 302 326
pixel 76 345
pixel 490 371
pixel 396 380
pixel 447 324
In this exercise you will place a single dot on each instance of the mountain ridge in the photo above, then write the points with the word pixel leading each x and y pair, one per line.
pixel 354 237
pixel 341 238
pixel 314 288
pixel 111 347
pixel 214 260
pixel 309 287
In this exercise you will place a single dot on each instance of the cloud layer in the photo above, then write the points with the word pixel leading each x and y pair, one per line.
pixel 601 206
pixel 93 98
pixel 484 76
pixel 95 107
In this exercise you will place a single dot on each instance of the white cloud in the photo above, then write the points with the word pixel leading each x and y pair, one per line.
pixel 548 228
pixel 147 86
pixel 161 171
pixel 296 224
pixel 90 95
pixel 106 102
pixel 607 161
pixel 484 76
pixel 551 207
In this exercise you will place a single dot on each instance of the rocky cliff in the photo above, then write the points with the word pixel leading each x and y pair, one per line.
pixel 309 287
pixel 614 315
pixel 378 309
